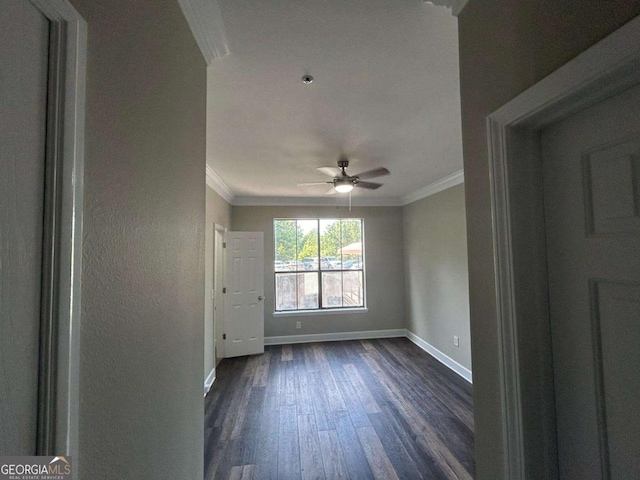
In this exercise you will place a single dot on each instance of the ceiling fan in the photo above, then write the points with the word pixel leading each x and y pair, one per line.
pixel 343 182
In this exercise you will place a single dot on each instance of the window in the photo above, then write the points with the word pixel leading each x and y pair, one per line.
pixel 319 264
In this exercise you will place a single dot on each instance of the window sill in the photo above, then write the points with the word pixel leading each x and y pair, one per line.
pixel 306 313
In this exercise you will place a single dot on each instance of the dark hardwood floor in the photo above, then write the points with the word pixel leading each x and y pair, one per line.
pixel 379 409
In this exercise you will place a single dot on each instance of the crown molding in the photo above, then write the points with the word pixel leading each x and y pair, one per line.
pixel 218 185
pixel 328 201
pixel 458 6
pixel 456 178
pixel 205 20
pixel 440 3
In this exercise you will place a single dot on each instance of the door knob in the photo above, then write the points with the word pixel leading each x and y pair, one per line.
pixel 260 298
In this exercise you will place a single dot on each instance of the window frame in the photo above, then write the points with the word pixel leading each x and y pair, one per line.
pixel 319 271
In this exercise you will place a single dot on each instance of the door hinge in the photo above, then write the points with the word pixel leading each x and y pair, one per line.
pixel 224 244
pixel 213 294
pixel 224 290
pixel 224 336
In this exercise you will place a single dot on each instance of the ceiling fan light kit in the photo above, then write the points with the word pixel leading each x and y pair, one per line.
pixel 343 187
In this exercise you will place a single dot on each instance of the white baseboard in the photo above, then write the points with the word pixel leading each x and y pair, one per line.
pixel 464 372
pixel 209 381
pixel 332 337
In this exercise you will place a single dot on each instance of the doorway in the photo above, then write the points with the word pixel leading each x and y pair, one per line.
pixel 533 344
pixel 214 302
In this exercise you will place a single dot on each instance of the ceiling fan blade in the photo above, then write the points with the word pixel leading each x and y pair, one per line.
pixel 369 185
pixel 312 183
pixel 330 171
pixel 376 172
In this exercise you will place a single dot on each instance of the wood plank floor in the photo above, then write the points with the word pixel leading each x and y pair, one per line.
pixel 379 409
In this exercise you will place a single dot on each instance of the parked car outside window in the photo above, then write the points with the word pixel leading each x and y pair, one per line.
pixel 352 264
pixel 310 263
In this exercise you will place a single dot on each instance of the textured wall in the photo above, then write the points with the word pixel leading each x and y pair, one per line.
pixel 141 412
pixel 503 51
pixel 436 274
pixel 384 268
pixel 218 211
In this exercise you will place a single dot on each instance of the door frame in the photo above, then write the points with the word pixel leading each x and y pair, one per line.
pixel 217 300
pixel 515 170
pixel 218 272
pixel 58 390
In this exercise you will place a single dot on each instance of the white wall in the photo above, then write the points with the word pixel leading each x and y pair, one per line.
pixel 384 268
pixel 436 272
pixel 141 353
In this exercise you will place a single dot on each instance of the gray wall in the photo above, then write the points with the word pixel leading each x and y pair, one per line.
pixel 435 271
pixel 141 411
pixel 384 268
pixel 503 51
pixel 218 211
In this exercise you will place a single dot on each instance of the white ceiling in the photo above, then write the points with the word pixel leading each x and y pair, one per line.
pixel 385 93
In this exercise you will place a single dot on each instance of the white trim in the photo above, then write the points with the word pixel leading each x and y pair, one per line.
pixel 329 200
pixel 205 20
pixel 505 305
pixel 332 337
pixel 456 178
pixel 446 360
pixel 70 236
pixel 323 311
pixel 217 184
pixel 219 270
pixel 598 73
pixel 440 3
pixel 458 6
pixel 577 84
pixel 209 381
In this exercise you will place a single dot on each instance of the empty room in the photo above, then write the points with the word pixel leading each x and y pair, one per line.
pixel 337 337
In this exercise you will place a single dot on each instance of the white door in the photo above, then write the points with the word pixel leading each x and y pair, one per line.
pixel 24 44
pixel 244 294
pixel 591 165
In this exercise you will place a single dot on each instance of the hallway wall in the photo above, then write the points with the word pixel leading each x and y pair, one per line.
pixel 141 411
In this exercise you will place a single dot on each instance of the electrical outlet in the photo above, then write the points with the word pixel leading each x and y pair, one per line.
pixel 456 341
pixel 298 324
